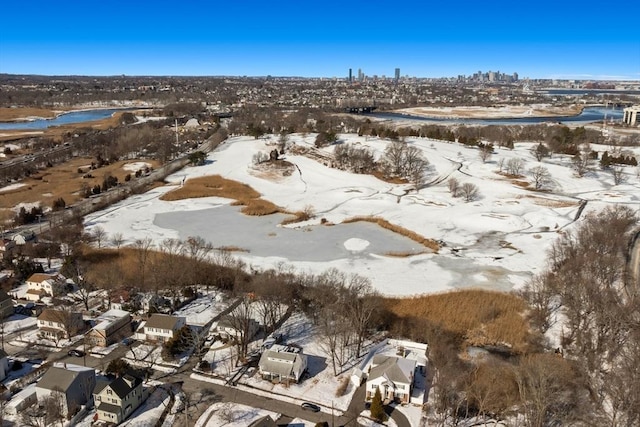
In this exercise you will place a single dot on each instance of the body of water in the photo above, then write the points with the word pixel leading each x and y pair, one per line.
pixel 64 119
pixel 262 236
pixel 576 92
pixel 588 115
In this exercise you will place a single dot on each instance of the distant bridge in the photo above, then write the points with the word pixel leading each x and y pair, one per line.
pixel 360 109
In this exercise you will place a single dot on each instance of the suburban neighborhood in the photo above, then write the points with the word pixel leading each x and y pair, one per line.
pixel 104 365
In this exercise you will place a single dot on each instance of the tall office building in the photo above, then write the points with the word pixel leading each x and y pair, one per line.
pixel 350 75
pixel 397 74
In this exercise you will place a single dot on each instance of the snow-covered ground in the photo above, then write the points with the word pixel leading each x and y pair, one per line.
pixel 495 242
pixel 232 415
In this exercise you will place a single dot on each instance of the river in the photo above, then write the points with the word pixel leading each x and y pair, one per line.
pixel 64 119
pixel 588 115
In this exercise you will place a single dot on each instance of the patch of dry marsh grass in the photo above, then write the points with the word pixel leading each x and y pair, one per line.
pixel 217 186
pixel 258 207
pixel 403 254
pixel 424 241
pixel 481 317
pixel 212 186
pixel 9 114
pixel 64 181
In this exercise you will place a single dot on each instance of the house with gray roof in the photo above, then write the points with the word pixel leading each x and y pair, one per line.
pixel 163 327
pixel 393 376
pixel 282 363
pixel 116 400
pixel 75 384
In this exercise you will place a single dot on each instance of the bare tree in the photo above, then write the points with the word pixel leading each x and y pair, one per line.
pixel 540 151
pixel 514 166
pixel 486 151
pixel 117 240
pixel 361 307
pixel 454 186
pixel 541 177
pixel 77 271
pixel 241 321
pixel 545 388
pixel 581 163
pixel 143 250
pixel 469 191
pixel 99 235
pixel 394 158
pixel 617 172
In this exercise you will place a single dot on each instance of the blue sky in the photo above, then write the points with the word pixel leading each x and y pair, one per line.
pixel 310 38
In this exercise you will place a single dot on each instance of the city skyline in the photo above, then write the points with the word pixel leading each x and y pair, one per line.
pixel 321 40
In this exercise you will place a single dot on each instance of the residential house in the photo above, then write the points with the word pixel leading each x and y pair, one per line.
pixel 393 376
pixel 226 327
pixel 23 237
pixel 74 383
pixel 151 302
pixel 163 327
pixel 120 299
pixel 40 285
pixel 4 365
pixel 282 363
pixel 60 324
pixel 6 305
pixel 22 400
pixel 6 247
pixel 110 327
pixel 115 401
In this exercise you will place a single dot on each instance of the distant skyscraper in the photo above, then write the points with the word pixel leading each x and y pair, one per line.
pixel 515 77
pixel 350 75
pixel 360 74
pixel 397 74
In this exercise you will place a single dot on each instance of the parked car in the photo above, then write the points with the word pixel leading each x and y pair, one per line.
pixel 76 353
pixel 307 406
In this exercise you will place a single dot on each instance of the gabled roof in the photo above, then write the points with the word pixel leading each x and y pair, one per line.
pixel 282 363
pixel 41 277
pixel 62 377
pixel 394 369
pixel 59 316
pixel 123 385
pixel 163 321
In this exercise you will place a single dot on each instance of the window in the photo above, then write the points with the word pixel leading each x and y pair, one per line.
pixel 109 391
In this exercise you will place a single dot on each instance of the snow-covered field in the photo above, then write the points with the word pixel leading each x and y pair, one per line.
pixel 495 242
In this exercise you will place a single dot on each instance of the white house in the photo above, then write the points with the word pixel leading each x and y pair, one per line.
pixel 75 383
pixel 282 363
pixel 59 324
pixel 393 376
pixel 21 400
pixel 23 237
pixel 40 285
pixel 163 327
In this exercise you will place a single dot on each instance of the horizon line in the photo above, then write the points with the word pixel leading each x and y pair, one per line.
pixel 577 77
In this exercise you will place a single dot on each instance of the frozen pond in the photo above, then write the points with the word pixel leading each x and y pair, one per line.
pixel 263 236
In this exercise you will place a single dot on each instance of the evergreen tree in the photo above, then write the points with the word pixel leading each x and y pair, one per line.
pixel 377 411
